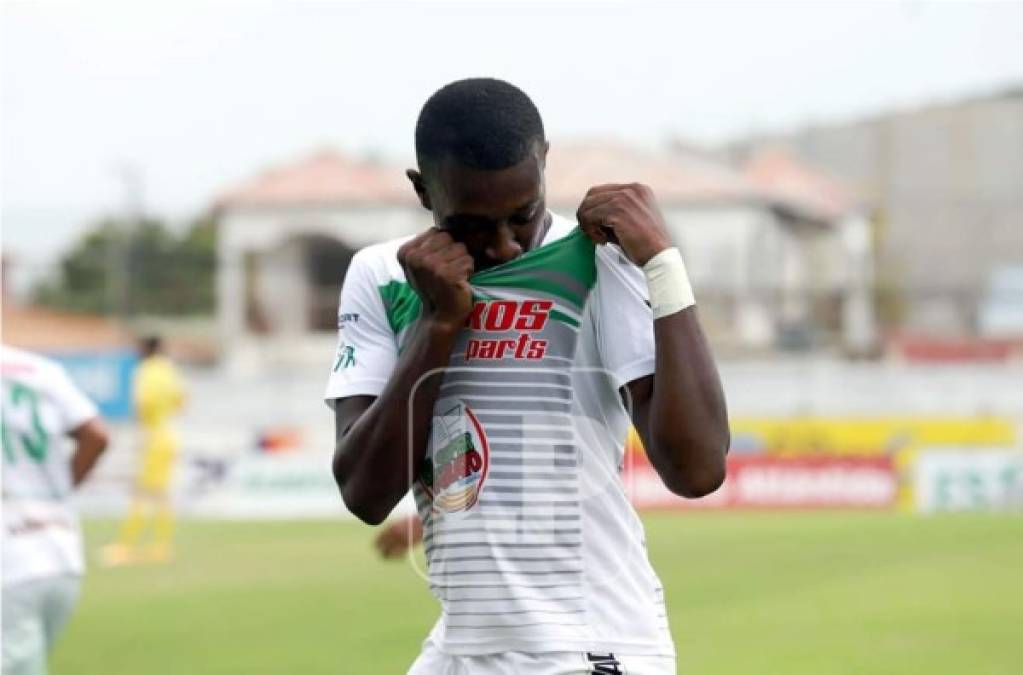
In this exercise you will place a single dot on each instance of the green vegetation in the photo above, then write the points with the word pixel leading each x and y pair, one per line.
pixel 143 269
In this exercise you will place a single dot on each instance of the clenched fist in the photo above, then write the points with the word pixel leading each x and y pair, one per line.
pixel 626 215
pixel 438 268
pixel 397 538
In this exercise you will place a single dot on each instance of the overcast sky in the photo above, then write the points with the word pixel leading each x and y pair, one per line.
pixel 199 96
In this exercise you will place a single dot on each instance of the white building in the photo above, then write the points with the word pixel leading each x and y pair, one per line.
pixel 764 248
pixel 946 179
pixel 767 248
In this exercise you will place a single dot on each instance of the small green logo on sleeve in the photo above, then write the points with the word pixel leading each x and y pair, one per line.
pixel 345 357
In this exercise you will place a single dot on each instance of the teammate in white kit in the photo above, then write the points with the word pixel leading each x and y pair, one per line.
pixel 493 365
pixel 42 541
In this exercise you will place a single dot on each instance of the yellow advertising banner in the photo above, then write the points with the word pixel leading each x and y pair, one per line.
pixel 867 436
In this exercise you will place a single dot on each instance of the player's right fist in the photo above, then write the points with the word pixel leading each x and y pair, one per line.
pixel 438 268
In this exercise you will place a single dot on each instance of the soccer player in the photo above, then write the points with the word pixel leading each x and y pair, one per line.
pixel 42 540
pixel 159 395
pixel 493 364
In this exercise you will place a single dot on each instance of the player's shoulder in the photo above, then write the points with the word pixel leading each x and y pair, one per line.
pixel 157 365
pixel 610 259
pixel 378 263
pixel 33 370
pixel 561 226
pixel 19 362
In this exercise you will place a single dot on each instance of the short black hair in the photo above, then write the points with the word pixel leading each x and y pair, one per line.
pixel 150 344
pixel 481 123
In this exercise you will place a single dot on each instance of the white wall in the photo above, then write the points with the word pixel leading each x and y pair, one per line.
pixel 356 227
pixel 733 255
pixel 281 286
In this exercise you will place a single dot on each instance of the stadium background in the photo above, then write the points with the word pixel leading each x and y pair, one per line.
pixel 861 281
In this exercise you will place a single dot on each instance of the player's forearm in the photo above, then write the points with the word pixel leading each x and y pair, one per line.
pixel 91 439
pixel 688 434
pixel 377 459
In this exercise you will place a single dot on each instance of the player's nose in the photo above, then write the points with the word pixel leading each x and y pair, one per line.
pixel 503 247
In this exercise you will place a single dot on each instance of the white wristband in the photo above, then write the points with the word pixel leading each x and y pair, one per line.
pixel 666 278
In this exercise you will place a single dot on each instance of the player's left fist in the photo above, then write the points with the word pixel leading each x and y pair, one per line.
pixel 392 542
pixel 626 215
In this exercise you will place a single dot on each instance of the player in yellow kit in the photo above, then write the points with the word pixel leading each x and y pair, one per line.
pixel 159 395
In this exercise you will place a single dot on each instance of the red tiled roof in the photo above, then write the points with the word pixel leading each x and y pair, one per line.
pixel 325 178
pixel 47 330
pixel 786 181
pixel 330 178
pixel 676 178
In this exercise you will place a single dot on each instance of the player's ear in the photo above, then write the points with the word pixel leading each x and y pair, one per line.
pixel 544 147
pixel 419 185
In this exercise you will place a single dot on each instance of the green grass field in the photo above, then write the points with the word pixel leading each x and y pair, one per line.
pixel 748 593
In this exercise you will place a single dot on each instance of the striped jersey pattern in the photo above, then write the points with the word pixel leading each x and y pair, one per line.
pixel 499 495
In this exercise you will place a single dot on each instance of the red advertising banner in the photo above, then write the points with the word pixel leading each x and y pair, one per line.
pixel 765 482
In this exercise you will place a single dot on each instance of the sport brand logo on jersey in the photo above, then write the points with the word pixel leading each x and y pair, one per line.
pixel 345 357
pixel 346 317
pixel 604 663
pixel 499 316
pixel 454 472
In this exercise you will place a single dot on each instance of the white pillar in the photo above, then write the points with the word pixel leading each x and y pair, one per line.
pixel 859 332
pixel 230 289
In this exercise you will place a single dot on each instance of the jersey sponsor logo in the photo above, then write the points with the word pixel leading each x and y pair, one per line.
pixel 454 472
pixel 500 316
pixel 604 663
pixel 345 357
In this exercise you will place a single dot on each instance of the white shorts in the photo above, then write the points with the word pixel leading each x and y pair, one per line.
pixel 33 614
pixel 435 662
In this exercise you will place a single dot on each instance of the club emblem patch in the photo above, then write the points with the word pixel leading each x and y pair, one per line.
pixel 456 467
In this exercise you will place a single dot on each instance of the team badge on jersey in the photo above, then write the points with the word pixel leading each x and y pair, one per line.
pixel 456 468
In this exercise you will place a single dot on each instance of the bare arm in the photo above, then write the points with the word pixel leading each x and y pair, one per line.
pixel 91 440
pixel 680 410
pixel 374 462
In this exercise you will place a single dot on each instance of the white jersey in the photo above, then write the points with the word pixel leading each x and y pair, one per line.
pixel 531 542
pixel 41 532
